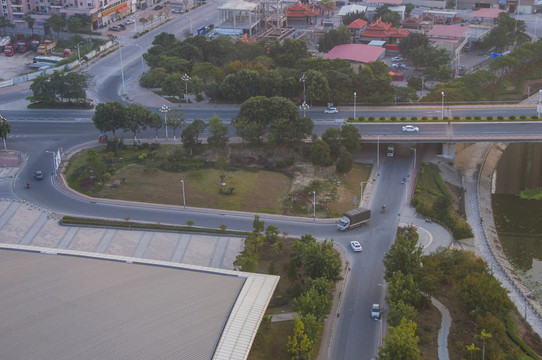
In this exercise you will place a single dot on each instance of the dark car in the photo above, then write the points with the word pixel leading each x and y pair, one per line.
pixel 144 6
pixel 115 28
pixel 122 26
pixel 158 7
pixel 38 175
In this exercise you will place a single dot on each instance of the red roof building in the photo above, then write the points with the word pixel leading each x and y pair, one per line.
pixel 356 27
pixel 449 37
pixel 299 11
pixel 380 30
pixel 356 53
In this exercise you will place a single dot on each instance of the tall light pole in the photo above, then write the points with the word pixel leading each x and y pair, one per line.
pixel 378 151
pixel 78 55
pixel 355 105
pixel 303 79
pixel 121 66
pixel 305 107
pixel 164 109
pixel 142 63
pixel 314 205
pixel 539 107
pixel 442 108
pixel 184 199
pixel 414 149
pixel 186 79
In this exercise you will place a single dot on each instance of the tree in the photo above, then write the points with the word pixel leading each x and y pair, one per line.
pixel 55 88
pixel 484 336
pixel 506 32
pixel 5 129
pixel 30 22
pixel 219 133
pixel 412 41
pixel 86 22
pixel 57 23
pixel 173 85
pixel 472 348
pixel 401 343
pixel 319 153
pixel 402 287
pixel 313 327
pixel 345 161
pixel 350 138
pixel 415 82
pixel 136 119
pixel 144 21
pixel 333 139
pixel 175 121
pixel 334 37
pixel 4 22
pixel 388 16
pixel 404 254
pixel 109 116
pixel 74 25
pixel 398 311
pixel 312 302
pixel 155 122
pixel 320 260
pixel 190 135
pixel 271 234
pixel 299 345
pixel 408 8
pixel 271 83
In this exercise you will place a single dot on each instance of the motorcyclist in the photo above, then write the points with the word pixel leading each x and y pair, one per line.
pixel 28 185
pixel 383 208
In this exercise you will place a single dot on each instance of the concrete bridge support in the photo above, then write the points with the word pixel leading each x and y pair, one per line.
pixel 448 151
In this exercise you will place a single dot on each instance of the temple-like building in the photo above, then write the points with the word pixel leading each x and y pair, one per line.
pixel 303 12
pixel 380 30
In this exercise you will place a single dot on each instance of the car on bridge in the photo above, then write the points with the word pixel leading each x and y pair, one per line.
pixel 410 128
pixel 331 110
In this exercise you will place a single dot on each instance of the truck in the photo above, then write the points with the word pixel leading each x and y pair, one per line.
pixel 47 45
pixel 4 41
pixel 21 46
pixel 8 50
pixel 34 44
pixel 354 218
pixel 391 151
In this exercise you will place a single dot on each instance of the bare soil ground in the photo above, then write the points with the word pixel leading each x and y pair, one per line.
pixel 15 65
pixel 428 332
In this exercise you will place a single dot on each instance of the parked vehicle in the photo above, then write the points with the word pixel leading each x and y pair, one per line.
pixel 391 151
pixel 48 45
pixel 9 50
pixel 397 59
pixel 158 7
pixel 4 41
pixel 354 218
pixel 67 52
pixel 398 66
pixel 122 26
pixel 129 21
pixel 177 11
pixel 21 46
pixel 115 28
pixel 34 44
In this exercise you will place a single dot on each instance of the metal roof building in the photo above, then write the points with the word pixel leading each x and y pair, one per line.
pixel 77 305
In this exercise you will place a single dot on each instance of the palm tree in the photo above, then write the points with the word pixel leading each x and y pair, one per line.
pixel 484 336
pixel 30 22
pixel 57 23
pixel 472 348
pixel 4 21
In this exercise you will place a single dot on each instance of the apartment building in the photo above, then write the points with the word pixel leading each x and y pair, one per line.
pixel 102 12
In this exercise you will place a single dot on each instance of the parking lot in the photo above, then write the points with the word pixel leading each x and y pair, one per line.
pixel 15 65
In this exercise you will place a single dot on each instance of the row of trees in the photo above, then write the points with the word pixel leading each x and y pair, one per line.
pixel 60 87
pixel 237 71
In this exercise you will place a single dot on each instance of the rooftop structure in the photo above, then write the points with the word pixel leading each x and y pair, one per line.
pixel 303 12
pixel 487 13
pixel 449 37
pixel 352 9
pixel 380 30
pixel 75 305
pixel 238 17
pixel 385 2
pixel 356 52
pixel 356 27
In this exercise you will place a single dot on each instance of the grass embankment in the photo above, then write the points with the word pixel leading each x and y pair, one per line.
pixel 433 199
pixel 144 174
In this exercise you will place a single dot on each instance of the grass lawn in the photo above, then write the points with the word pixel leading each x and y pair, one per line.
pixel 270 342
pixel 201 188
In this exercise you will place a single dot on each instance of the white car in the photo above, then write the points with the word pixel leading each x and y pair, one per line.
pixel 129 21
pixel 356 246
pixel 410 128
pixel 398 66
pixel 331 110
pixel 397 58
pixel 376 311
pixel 177 11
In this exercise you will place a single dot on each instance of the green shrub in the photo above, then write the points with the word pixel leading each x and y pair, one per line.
pixel 477 118
pixel 382 118
pixel 414 118
pixel 371 118
pixel 424 118
pixel 435 118
pixel 403 118
pixel 350 119
pixel 468 118
pixel 490 118
pixel 511 117
pixel 534 117
pixel 393 118
pixel 445 118
pixel 500 117
pixel 361 118
pixel 523 117
pixel 457 118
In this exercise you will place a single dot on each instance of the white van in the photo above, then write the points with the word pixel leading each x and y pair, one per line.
pixel 391 151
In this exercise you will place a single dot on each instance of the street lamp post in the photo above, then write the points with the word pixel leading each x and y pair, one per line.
pixel 164 109
pixel 121 67
pixel 184 199
pixel 78 55
pixel 355 105
pixel 378 151
pixel 305 107
pixel 303 79
pixel 142 63
pixel 414 149
pixel 186 79
pixel 314 205
pixel 442 107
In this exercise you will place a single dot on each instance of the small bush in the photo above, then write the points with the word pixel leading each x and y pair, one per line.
pixel 371 118
pixel 414 118
pixel 457 118
pixel 435 118
pixel 500 118
pixel 350 119
pixel 424 118
pixel 468 118
pixel 523 117
pixel 445 118
pixel 361 118
pixel 403 118
pixel 382 118
pixel 280 164
pixel 489 118
pixel 189 223
pixel 534 117
pixel 393 118
pixel 511 117
pixel 477 118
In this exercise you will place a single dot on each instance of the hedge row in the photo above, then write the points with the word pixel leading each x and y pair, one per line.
pixel 438 118
pixel 511 331
pixel 71 220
